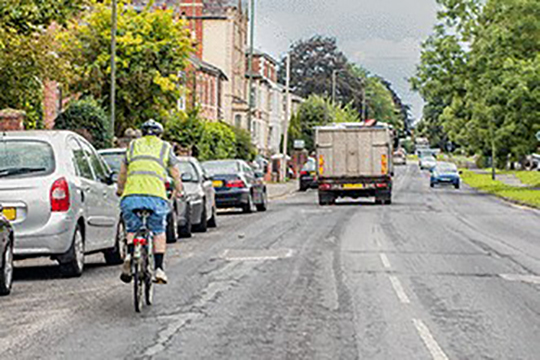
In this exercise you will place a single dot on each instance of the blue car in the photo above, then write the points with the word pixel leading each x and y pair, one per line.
pixel 445 174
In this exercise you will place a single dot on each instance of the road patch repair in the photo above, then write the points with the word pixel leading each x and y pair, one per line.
pixel 256 254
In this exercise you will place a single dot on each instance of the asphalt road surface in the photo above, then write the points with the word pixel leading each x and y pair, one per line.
pixel 440 274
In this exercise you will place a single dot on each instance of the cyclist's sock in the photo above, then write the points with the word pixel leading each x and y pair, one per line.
pixel 130 248
pixel 158 259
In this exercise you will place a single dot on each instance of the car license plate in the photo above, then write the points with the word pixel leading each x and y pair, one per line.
pixel 353 186
pixel 10 213
pixel 217 183
pixel 312 173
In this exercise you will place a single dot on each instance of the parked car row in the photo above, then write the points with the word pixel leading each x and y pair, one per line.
pixel 58 199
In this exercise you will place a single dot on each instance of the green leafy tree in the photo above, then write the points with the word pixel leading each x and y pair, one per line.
pixel 152 48
pixel 186 129
pixel 27 52
pixel 217 142
pixel 87 118
pixel 245 149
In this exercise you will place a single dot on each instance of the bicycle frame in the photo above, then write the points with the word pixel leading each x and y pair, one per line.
pixel 143 263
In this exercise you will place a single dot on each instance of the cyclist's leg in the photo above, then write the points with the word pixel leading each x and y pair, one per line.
pixel 157 223
pixel 133 224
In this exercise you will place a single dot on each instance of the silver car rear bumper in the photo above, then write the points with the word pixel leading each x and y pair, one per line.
pixel 54 238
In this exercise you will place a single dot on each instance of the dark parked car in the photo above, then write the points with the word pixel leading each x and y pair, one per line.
pixel 237 185
pixel 445 173
pixel 178 221
pixel 200 192
pixel 6 251
pixel 308 175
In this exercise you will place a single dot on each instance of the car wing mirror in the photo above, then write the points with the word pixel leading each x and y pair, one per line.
pixel 259 174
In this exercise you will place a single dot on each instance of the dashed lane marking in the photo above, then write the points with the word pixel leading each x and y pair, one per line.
pixel 385 261
pixel 436 352
pixel 531 279
pixel 256 254
pixel 398 288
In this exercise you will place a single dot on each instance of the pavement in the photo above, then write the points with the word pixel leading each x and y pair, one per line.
pixel 440 274
pixel 279 190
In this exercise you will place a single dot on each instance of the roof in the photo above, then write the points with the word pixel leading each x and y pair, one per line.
pixel 112 151
pixel 37 134
pixel 257 52
pixel 207 67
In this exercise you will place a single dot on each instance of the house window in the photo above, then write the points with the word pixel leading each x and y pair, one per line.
pixel 238 120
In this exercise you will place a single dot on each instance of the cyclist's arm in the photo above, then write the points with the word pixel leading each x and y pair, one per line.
pixel 174 172
pixel 122 177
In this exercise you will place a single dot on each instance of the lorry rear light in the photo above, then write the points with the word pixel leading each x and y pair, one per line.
pixel 325 186
pixel 59 196
pixel 235 184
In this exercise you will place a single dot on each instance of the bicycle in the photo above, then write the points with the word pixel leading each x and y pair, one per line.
pixel 142 262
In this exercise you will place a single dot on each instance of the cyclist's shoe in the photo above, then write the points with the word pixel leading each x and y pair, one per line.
pixel 160 277
pixel 126 275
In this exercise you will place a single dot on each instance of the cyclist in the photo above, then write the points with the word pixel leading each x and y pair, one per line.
pixel 141 184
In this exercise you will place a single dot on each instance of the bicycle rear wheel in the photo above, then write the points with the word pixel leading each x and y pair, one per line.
pixel 138 280
pixel 149 280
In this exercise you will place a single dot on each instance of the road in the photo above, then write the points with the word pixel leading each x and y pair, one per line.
pixel 440 274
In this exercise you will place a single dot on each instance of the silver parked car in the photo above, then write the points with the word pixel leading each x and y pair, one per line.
pixel 62 197
pixel 200 192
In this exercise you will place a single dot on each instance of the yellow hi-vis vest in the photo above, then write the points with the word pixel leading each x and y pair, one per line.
pixel 147 160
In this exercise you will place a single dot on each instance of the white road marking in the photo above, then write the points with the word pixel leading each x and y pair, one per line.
pixel 532 279
pixel 398 288
pixel 257 254
pixel 436 352
pixel 385 261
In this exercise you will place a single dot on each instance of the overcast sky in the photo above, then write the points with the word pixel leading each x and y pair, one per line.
pixel 382 35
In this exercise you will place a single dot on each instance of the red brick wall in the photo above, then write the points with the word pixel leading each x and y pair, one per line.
pixel 11 120
pixel 50 103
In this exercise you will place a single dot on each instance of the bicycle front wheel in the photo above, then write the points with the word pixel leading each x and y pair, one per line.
pixel 138 281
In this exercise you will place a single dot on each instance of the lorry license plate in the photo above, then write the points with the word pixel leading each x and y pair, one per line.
pixel 353 186
pixel 10 213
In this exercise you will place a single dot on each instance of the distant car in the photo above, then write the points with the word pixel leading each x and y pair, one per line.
pixel 400 158
pixel 200 192
pixel 6 252
pixel 445 174
pixel 237 185
pixel 178 220
pixel 427 162
pixel 60 198
pixel 308 175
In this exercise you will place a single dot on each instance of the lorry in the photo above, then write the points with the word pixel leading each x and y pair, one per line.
pixel 354 160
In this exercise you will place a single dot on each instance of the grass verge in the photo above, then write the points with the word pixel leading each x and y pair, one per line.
pixel 484 183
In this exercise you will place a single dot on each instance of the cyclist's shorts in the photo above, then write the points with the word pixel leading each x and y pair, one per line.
pixel 157 222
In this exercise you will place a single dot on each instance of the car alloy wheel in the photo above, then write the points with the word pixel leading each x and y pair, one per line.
pixel 7 270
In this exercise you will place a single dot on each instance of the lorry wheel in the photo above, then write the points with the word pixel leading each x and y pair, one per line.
pixel 326 199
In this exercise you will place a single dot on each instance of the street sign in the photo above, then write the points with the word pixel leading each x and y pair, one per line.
pixel 299 144
pixel 538 136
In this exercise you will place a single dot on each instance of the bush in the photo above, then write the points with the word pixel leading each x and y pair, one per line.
pixel 186 129
pixel 245 149
pixel 87 118
pixel 217 142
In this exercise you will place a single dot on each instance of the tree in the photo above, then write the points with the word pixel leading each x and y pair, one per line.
pixel 87 118
pixel 152 49
pixel 217 142
pixel 27 52
pixel 313 63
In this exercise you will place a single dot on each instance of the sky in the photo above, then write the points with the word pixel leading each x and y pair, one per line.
pixel 384 36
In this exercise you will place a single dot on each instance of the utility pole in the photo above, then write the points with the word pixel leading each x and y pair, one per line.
pixel 113 66
pixel 364 100
pixel 334 85
pixel 287 116
pixel 493 153
pixel 250 64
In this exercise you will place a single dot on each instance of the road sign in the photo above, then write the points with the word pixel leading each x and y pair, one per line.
pixel 538 136
pixel 299 144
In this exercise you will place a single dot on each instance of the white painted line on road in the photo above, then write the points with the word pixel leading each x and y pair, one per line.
pixel 532 279
pixel 436 352
pixel 398 288
pixel 385 261
pixel 256 254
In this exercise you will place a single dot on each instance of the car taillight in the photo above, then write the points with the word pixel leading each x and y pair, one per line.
pixel 303 172
pixel 325 186
pixel 235 184
pixel 60 201
pixel 381 185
